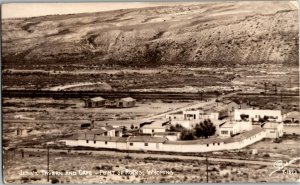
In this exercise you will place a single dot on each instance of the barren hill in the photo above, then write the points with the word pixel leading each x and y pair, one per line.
pixel 200 34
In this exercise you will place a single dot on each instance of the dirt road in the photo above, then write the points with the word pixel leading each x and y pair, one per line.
pixel 161 156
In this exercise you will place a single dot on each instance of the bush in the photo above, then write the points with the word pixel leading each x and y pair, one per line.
pixel 187 135
pixel 54 181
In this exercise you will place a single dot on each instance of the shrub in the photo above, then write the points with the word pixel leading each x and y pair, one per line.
pixel 54 181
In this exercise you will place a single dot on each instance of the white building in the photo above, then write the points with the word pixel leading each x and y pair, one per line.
pixel 155 126
pixel 273 130
pixel 148 143
pixel 189 118
pixel 230 128
pixel 109 131
pixel 254 115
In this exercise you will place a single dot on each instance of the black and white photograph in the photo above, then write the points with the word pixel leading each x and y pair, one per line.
pixel 150 92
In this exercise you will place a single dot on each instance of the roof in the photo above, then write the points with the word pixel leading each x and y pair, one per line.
pixel 97 99
pixel 244 135
pixel 270 125
pixel 227 101
pixel 97 138
pixel 108 127
pixel 93 131
pixel 156 124
pixel 100 130
pixel 198 141
pixel 228 124
pixel 293 114
pixel 128 99
pixel 148 139
pixel 177 113
pixel 165 133
pixel 218 109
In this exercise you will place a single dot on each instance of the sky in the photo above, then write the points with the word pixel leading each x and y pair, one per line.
pixel 17 10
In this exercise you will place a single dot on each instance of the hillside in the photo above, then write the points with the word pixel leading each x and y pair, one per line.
pixel 200 34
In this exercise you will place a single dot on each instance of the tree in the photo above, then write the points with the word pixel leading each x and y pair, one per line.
pixel 176 128
pixel 132 127
pixel 187 135
pixel 264 119
pixel 205 129
pixel 244 117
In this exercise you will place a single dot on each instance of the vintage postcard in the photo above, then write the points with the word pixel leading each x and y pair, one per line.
pixel 150 92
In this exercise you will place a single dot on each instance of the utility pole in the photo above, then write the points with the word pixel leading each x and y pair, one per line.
pixel 48 177
pixel 206 169
pixel 265 84
pixel 275 88
pixel 201 95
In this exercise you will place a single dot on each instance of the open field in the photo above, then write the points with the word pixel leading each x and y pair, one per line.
pixel 134 168
pixel 167 79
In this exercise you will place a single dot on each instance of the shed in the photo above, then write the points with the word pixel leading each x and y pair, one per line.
pixel 126 102
pixel 94 102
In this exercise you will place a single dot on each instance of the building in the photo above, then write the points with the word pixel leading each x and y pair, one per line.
pixel 171 136
pixel 273 130
pixel 230 128
pixel 94 102
pixel 192 114
pixel 150 143
pixel 292 117
pixel 126 102
pixel 145 143
pixel 189 118
pixel 258 115
pixel 155 126
pixel 230 105
pixel 220 112
pixel 108 131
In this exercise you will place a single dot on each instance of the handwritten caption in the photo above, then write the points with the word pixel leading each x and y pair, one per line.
pixel 125 172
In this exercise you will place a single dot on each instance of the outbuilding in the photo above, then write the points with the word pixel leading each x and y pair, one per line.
pixel 126 102
pixel 94 102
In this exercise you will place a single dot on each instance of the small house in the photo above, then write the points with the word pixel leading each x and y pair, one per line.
pixel 126 102
pixel 94 102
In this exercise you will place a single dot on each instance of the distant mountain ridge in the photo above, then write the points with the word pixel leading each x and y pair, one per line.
pixel 202 34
